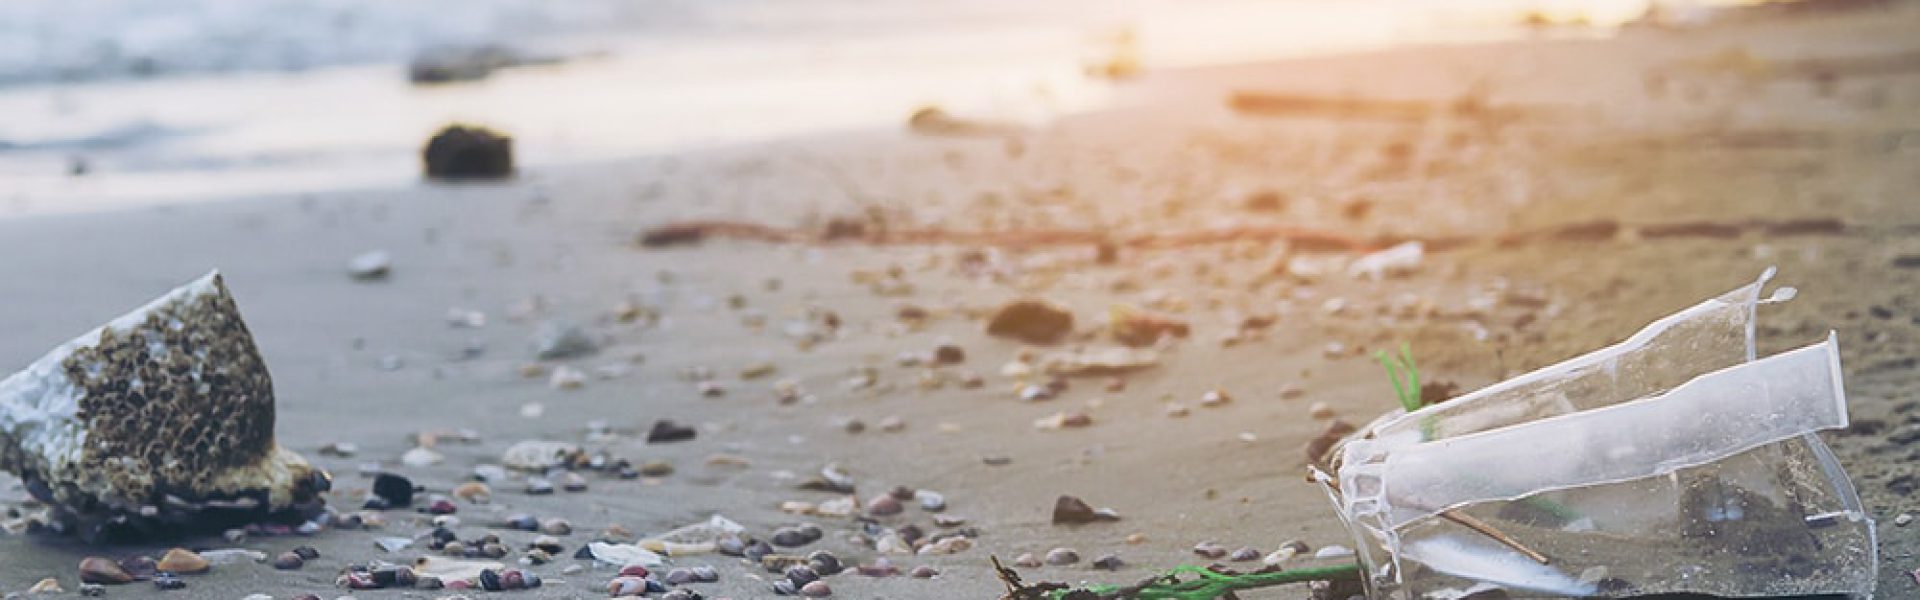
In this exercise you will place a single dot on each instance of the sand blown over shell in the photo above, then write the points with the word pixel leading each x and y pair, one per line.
pixel 159 420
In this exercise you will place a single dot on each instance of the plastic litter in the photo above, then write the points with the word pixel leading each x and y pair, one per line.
pixel 1674 462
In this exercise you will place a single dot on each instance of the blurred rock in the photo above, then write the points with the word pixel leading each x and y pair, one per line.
pixel 463 152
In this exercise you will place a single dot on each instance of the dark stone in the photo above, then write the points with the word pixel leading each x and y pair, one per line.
pixel 825 563
pixel 666 431
pixel 306 552
pixel 447 64
pixel 1031 320
pixel 397 491
pixel 1109 562
pixel 461 152
pixel 801 575
pixel 1068 510
pixel 949 354
pixel 790 537
pixel 490 581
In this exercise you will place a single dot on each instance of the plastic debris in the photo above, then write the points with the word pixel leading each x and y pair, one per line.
pixel 1674 462
pixel 622 555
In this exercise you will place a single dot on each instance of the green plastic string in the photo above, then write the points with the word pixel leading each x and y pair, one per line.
pixel 1210 585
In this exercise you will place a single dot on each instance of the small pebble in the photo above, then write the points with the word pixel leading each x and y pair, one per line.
pixel 1903 520
pixel 705 574
pixel 924 572
pixel 656 468
pixel 369 266
pixel 931 501
pixel 572 482
pixel 1320 411
pixel 52 586
pixel 1244 554
pixel 1210 550
pixel 817 589
pixel 824 563
pixel 1215 397
pixel 1027 561
pixel 288 561
pixel 539 486
pixel 1062 556
pixel 94 569
pixel 474 492
pixel 885 505
pixel 556 526
pixel 1109 562
pixel 880 568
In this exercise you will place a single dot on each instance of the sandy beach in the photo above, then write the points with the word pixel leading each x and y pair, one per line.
pixel 1716 152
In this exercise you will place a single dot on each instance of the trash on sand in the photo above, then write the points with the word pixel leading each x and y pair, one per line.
pixel 454 569
pixel 107 425
pixel 698 538
pixel 1098 361
pixel 1398 260
pixel 1673 462
pixel 622 555
pixel 541 455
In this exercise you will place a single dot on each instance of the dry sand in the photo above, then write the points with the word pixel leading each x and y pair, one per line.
pixel 1725 144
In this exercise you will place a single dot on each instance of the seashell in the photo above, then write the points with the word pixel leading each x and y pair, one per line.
pixel 131 394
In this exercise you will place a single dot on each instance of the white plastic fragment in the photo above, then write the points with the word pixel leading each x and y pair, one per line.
pixel 622 555
pixel 1399 260
pixel 1678 461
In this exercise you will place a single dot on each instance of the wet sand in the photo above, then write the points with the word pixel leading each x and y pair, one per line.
pixel 372 363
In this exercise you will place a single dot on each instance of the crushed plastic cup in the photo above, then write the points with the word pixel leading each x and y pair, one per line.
pixel 1673 462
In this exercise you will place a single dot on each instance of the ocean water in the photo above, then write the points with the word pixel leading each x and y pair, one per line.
pixel 192 99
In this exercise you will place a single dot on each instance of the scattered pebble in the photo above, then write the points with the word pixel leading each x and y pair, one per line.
pixel 884 505
pixel 1320 411
pixel 1109 562
pixel 182 560
pixel 287 561
pixel 1070 510
pixel 924 572
pixel 1062 556
pixel 474 492
pixel 1210 550
pixel 555 340
pixel 370 266
pixel 94 569
pixel 666 431
pixel 1215 397
pixel 539 486
pixel 1244 554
